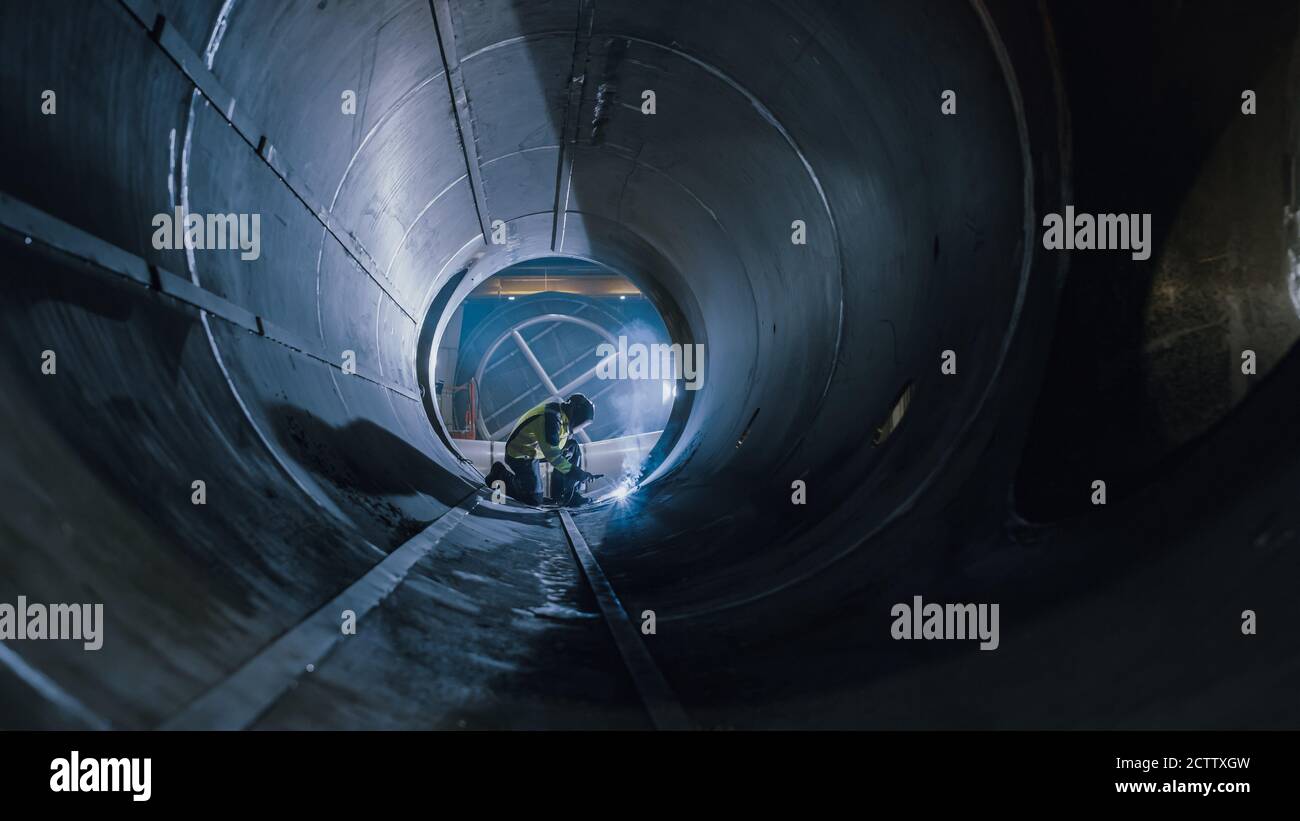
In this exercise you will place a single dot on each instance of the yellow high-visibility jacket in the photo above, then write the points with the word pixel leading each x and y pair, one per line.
pixel 541 433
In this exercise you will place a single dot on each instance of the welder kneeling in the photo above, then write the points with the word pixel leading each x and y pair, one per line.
pixel 547 432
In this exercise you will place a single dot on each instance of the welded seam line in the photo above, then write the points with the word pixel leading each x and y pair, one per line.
pixel 48 689
pixel 664 709
pixel 53 232
pixel 445 31
pixel 569 122
pixel 169 41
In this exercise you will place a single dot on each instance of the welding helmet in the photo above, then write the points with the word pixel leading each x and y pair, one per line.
pixel 580 411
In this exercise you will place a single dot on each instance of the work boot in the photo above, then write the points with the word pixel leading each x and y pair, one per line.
pixel 498 472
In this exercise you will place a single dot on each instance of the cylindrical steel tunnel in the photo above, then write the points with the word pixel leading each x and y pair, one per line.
pixel 781 178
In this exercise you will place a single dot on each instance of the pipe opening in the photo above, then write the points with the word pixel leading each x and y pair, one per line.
pixel 540 331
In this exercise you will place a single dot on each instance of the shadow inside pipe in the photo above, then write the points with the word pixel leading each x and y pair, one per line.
pixel 1143 358
pixel 367 464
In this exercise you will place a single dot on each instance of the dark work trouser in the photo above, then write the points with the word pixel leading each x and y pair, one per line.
pixel 527 477
pixel 526 480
